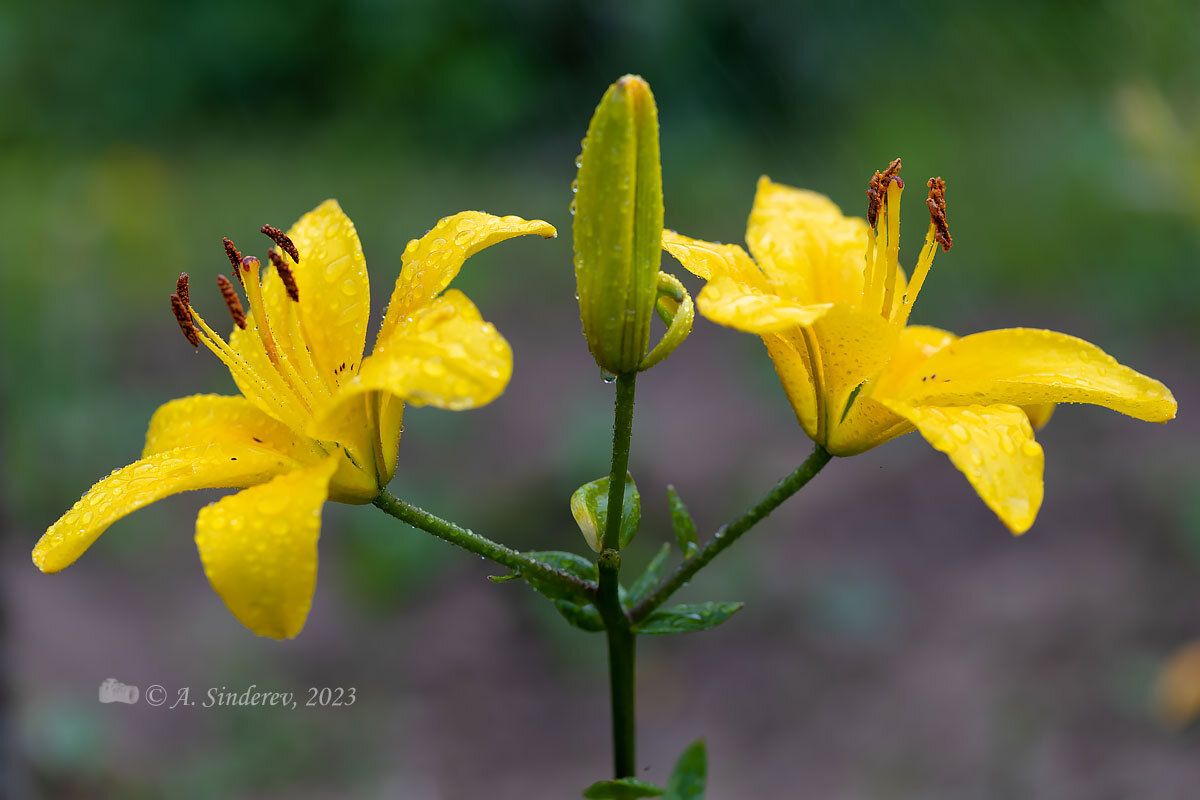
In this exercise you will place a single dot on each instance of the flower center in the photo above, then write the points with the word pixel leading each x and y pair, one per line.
pixel 275 362
pixel 882 267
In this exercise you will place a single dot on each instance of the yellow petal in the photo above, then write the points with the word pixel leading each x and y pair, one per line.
pixel 1178 689
pixel 142 483
pixel 215 419
pixel 994 447
pixel 335 296
pixel 259 549
pixel 447 356
pixel 853 346
pixel 1024 366
pixel 728 302
pixel 432 261
pixel 710 260
pixel 1039 414
pixel 391 425
pixel 805 245
pixel 867 423
pixel 790 355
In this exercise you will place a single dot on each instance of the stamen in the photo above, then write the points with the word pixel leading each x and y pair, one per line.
pixel 280 238
pixel 235 258
pixel 937 211
pixel 181 289
pixel 285 274
pixel 185 320
pixel 877 190
pixel 232 301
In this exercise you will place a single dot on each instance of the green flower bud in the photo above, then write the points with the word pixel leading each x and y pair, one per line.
pixel 618 225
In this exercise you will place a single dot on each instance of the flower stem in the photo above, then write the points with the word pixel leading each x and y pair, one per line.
pixel 480 545
pixel 728 534
pixel 622 643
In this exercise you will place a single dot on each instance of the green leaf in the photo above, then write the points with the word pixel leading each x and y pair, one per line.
pixel 690 776
pixel 685 528
pixel 584 617
pixel 688 618
pixel 503 578
pixel 572 564
pixel 589 506
pixel 648 579
pixel 623 789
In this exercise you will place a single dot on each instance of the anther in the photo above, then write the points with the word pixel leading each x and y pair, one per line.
pixel 285 275
pixel 877 190
pixel 181 289
pixel 184 318
pixel 937 212
pixel 235 256
pixel 232 301
pixel 280 238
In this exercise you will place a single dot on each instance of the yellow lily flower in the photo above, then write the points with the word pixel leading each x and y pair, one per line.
pixel 316 420
pixel 835 323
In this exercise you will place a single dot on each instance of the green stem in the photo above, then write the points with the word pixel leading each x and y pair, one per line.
pixel 622 645
pixel 727 534
pixel 480 545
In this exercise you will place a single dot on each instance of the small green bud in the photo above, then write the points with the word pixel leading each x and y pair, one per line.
pixel 618 225
pixel 589 506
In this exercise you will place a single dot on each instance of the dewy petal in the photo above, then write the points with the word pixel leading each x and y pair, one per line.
pixel 432 261
pixel 335 296
pixel 447 356
pixel 259 548
pixel 789 354
pixel 212 466
pixel 711 260
pixel 729 302
pixel 805 245
pixel 994 447
pixel 1024 366
pixel 854 346
pixel 215 419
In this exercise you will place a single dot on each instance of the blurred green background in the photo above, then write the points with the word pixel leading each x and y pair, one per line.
pixel 897 642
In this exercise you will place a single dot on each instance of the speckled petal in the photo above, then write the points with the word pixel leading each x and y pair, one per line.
pixel 432 261
pixel 447 356
pixel 145 481
pixel 335 297
pixel 994 447
pixel 215 419
pixel 854 346
pixel 259 549
pixel 790 356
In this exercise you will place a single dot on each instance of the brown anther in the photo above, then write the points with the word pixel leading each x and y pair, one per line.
pixel 877 190
pixel 181 289
pixel 235 255
pixel 184 318
pixel 280 238
pixel 232 301
pixel 285 275
pixel 937 211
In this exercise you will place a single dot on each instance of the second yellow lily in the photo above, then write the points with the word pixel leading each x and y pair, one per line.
pixel 828 297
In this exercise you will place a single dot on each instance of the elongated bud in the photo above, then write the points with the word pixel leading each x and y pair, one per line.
pixel 618 225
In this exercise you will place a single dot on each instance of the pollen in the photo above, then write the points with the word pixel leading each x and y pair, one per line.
pixel 280 238
pixel 937 212
pixel 232 301
pixel 184 317
pixel 285 274
pixel 235 258
pixel 181 289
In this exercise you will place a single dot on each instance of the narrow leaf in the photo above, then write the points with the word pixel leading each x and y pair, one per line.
pixel 572 564
pixel 681 520
pixel 648 579
pixel 688 618
pixel 691 774
pixel 623 789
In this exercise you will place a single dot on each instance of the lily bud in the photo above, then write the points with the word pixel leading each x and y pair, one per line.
pixel 618 225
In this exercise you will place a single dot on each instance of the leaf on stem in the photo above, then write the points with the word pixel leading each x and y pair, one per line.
pixel 623 789
pixel 570 563
pixel 688 618
pixel 691 774
pixel 584 617
pixel 681 521
pixel 648 579
pixel 589 506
